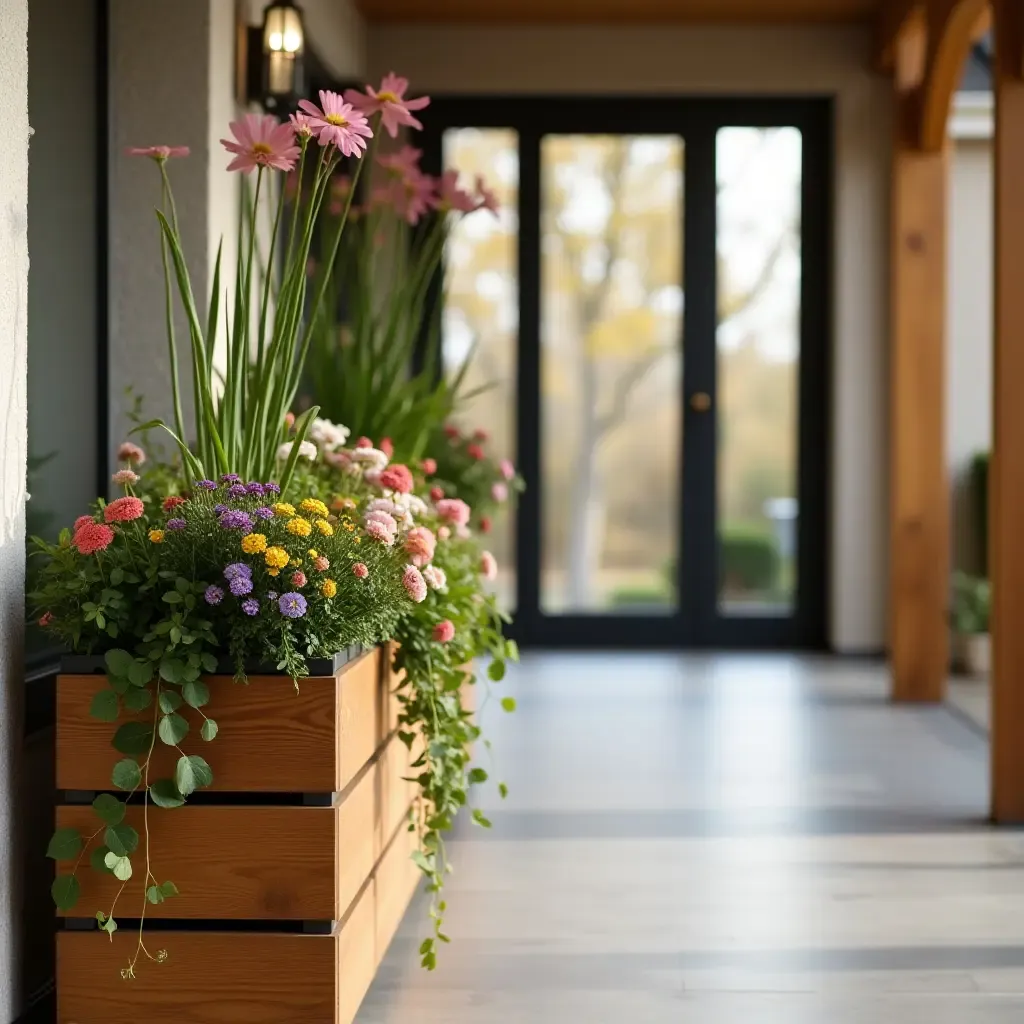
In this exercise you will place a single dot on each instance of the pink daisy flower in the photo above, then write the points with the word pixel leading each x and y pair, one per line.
pixel 158 153
pixel 419 546
pixel 507 469
pixel 488 566
pixel 360 571
pixel 435 577
pixel 380 533
pixel 499 491
pixel 262 141
pixel 301 125
pixel 415 585
pixel 389 100
pixel 444 631
pixel 405 162
pixel 454 511
pixel 397 478
pixel 338 123
pixel 450 196
pixel 123 510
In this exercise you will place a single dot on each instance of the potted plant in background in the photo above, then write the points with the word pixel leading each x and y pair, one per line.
pixel 971 607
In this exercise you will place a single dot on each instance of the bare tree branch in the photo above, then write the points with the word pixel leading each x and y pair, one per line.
pixel 623 387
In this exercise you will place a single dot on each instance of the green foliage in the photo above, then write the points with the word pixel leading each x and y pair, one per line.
pixel 972 603
pixel 749 559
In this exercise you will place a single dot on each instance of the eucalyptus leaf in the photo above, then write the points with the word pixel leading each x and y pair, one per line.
pixel 196 694
pixel 172 670
pixel 138 699
pixel 209 730
pixel 496 670
pixel 120 867
pixel 109 809
pixel 109 926
pixel 154 895
pixel 65 844
pixel 98 860
pixel 164 793
pixel 168 888
pixel 133 738
pixel 192 773
pixel 122 840
pixel 508 704
pixel 118 662
pixel 173 729
pixel 169 701
pixel 140 673
pixel 105 706
pixel 127 774
pixel 65 891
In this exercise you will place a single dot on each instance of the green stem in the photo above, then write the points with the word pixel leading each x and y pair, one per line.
pixel 167 200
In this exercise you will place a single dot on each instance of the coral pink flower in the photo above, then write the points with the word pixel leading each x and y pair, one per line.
pixel 125 477
pixel 450 196
pixel 486 198
pixel 387 446
pixel 444 631
pixel 436 493
pixel 404 162
pixel 385 519
pixel 321 563
pixel 337 123
pixel 429 466
pixel 419 546
pixel 390 101
pixel 474 451
pixel 452 432
pixel 82 521
pixel 435 577
pixel 488 566
pixel 360 571
pixel 397 478
pixel 301 125
pixel 123 510
pixel 507 469
pixel 443 532
pixel 158 153
pixel 411 196
pixel 289 420
pixel 499 491
pixel 415 585
pixel 454 511
pixel 172 502
pixel 45 619
pixel 298 578
pixel 262 142
pixel 380 533
pixel 129 452
pixel 363 442
pixel 481 435
pixel 485 524
pixel 92 537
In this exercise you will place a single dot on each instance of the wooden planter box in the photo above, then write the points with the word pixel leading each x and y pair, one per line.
pixel 326 857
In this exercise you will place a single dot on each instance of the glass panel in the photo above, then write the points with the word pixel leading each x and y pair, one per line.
pixel 481 311
pixel 611 312
pixel 758 344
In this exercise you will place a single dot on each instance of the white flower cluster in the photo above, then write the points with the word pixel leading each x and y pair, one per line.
pixel 328 436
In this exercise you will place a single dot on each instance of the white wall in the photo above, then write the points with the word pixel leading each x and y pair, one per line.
pixel 14 133
pixel 969 366
pixel 836 62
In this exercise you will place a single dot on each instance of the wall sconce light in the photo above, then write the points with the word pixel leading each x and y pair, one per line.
pixel 271 62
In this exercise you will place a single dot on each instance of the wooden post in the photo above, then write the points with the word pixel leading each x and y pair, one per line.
pixel 919 496
pixel 1006 504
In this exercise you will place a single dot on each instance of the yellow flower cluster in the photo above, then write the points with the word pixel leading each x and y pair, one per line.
pixel 325 527
pixel 329 588
pixel 300 527
pixel 284 510
pixel 314 507
pixel 254 543
pixel 156 536
pixel 276 558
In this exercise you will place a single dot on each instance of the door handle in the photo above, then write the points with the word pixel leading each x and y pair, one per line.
pixel 700 401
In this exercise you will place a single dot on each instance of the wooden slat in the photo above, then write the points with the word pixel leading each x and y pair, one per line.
pixel 313 741
pixel 357 961
pixel 919 497
pixel 395 794
pixel 237 863
pixel 358 846
pixel 208 978
pixel 396 880
pixel 1006 474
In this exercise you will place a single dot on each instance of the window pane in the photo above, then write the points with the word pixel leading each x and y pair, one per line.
pixel 611 310
pixel 481 311
pixel 758 344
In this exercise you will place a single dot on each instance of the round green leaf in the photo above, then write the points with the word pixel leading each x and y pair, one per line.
pixel 105 706
pixel 66 844
pixel 169 701
pixel 109 926
pixel 109 809
pixel 168 888
pixel 120 866
pixel 137 700
pixel 172 670
pixel 173 729
pixel 196 694
pixel 133 738
pixel 164 793
pixel 121 839
pixel 478 775
pixel 140 673
pixel 119 684
pixel 508 703
pixel 154 895
pixel 98 860
pixel 118 662
pixel 192 773
pixel 209 730
pixel 496 670
pixel 65 891
pixel 126 774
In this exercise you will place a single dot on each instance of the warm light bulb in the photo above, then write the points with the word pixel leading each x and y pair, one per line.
pixel 292 40
pixel 274 41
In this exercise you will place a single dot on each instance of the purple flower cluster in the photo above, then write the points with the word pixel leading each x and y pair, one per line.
pixel 206 485
pixel 213 595
pixel 219 509
pixel 176 524
pixel 272 488
pixel 235 519
pixel 241 585
pixel 251 606
pixel 236 569
pixel 256 488
pixel 264 513
pixel 293 606
pixel 237 491
pixel 230 478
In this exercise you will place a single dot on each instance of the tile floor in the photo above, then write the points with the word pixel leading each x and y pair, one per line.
pixel 716 840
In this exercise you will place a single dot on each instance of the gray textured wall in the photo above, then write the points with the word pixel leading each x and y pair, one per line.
pixel 13 433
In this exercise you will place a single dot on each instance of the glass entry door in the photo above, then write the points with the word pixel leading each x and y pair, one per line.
pixel 650 309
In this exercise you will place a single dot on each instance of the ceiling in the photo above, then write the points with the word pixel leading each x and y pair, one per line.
pixel 623 11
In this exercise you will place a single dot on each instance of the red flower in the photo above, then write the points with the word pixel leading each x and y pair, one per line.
pixel 82 521
pixel 481 435
pixel 364 442
pixel 360 571
pixel 444 631
pixel 429 466
pixel 485 524
pixel 475 452
pixel 452 432
pixel 93 537
pixel 172 502
pixel 397 478
pixel 123 510
pixel 46 619
pixel 436 493
pixel 387 446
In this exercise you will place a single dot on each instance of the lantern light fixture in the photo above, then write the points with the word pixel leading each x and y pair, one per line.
pixel 274 58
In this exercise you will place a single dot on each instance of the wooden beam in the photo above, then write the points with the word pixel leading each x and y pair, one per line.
pixel 895 19
pixel 1006 474
pixel 919 497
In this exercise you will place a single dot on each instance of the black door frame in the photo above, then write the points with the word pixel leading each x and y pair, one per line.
pixel 696 622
